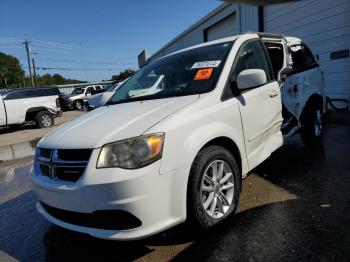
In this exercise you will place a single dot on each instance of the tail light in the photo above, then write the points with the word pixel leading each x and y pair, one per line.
pixel 58 103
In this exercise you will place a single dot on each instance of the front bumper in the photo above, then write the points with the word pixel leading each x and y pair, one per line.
pixel 157 200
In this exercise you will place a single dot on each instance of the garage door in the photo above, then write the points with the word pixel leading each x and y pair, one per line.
pixel 325 27
pixel 224 28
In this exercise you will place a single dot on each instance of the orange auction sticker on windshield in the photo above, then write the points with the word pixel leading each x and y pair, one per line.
pixel 203 74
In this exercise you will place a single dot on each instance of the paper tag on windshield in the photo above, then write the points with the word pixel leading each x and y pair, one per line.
pixel 203 74
pixel 206 64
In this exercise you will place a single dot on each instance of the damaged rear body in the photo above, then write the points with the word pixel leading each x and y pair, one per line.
pixel 300 78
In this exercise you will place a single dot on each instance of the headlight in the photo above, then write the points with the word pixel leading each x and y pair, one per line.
pixel 132 153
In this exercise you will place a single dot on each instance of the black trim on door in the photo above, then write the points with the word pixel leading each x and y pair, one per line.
pixel 305 68
pixel 261 18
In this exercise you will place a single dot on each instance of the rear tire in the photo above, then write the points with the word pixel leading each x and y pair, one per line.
pixel 212 195
pixel 78 105
pixel 312 131
pixel 44 119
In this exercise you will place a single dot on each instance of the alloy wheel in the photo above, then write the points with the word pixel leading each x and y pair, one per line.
pixel 217 189
pixel 46 120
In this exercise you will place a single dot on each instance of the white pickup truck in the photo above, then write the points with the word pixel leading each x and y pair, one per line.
pixel 21 105
pixel 142 164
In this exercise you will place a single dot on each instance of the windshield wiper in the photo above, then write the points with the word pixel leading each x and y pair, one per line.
pixel 143 98
pixel 135 99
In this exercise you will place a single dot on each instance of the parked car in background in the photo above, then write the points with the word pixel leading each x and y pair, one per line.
pixel 79 95
pixel 21 105
pixel 100 99
pixel 148 161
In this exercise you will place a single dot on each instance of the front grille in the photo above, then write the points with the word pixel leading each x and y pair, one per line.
pixel 74 154
pixel 101 219
pixel 44 152
pixel 45 169
pixel 63 164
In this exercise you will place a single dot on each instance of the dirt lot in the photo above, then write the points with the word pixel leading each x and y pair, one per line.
pixel 294 207
pixel 30 132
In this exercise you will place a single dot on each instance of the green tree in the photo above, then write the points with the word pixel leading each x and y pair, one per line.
pixel 55 79
pixel 123 75
pixel 11 72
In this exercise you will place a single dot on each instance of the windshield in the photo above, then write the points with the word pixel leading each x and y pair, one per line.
pixel 111 89
pixel 78 91
pixel 190 72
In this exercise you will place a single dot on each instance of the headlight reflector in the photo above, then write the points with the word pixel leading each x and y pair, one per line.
pixel 132 153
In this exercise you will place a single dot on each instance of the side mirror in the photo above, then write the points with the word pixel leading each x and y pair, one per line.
pixel 251 78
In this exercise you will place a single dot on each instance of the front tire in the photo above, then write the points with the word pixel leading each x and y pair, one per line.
pixel 44 119
pixel 312 131
pixel 214 187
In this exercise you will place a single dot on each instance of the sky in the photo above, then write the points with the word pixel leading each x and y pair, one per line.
pixel 107 35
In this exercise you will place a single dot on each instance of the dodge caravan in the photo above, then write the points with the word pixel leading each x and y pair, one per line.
pixel 179 151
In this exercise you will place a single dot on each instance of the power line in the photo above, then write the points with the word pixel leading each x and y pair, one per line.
pixel 9 47
pixel 76 61
pixel 51 50
pixel 71 69
pixel 56 44
pixel 79 69
pixel 38 42
pixel 90 61
pixel 12 38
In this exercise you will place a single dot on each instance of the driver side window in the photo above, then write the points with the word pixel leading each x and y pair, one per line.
pixel 250 56
pixel 88 90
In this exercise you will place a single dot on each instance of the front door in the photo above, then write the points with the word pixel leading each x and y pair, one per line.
pixel 260 107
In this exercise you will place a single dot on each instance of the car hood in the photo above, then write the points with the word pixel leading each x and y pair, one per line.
pixel 112 123
pixel 100 99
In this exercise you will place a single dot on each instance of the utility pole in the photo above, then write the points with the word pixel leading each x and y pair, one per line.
pixel 26 43
pixel 34 71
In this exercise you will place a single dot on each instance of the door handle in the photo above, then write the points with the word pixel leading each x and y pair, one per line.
pixel 273 93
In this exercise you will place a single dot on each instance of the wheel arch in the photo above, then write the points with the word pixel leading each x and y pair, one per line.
pixel 31 112
pixel 228 144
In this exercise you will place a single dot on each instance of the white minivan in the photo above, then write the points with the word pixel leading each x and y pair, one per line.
pixel 147 162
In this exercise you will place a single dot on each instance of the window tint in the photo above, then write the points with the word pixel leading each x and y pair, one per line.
pixel 20 94
pixel 51 91
pixel 301 57
pixel 251 56
pixel 89 89
pixel 98 87
pixel 78 91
